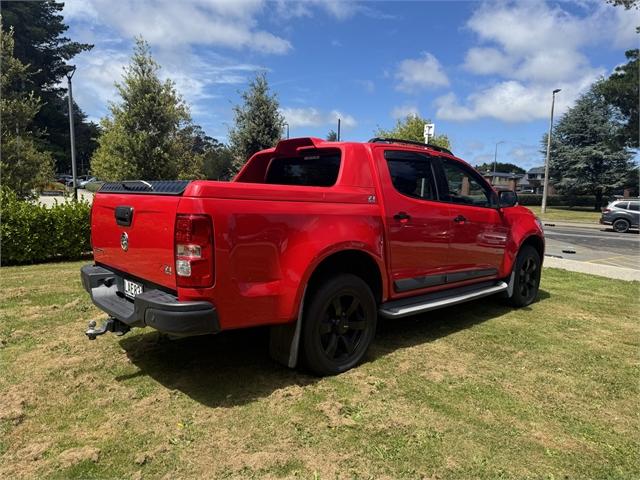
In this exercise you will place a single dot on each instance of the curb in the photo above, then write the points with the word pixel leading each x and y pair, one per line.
pixel 595 226
pixel 608 271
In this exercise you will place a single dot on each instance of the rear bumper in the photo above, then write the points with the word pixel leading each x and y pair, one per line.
pixel 152 308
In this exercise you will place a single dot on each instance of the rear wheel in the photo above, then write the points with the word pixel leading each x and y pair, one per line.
pixel 621 225
pixel 526 281
pixel 338 325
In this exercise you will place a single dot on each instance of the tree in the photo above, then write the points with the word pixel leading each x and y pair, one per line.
pixel 149 134
pixel 585 158
pixel 23 166
pixel 621 91
pixel 505 167
pixel 412 128
pixel 258 123
pixel 332 136
pixel 40 43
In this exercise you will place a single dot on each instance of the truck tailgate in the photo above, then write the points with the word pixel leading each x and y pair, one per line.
pixel 144 248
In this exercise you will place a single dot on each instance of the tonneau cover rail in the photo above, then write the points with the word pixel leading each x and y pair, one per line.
pixel 142 187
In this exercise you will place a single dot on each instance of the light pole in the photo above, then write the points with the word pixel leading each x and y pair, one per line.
pixel 495 156
pixel 287 130
pixel 546 162
pixel 72 135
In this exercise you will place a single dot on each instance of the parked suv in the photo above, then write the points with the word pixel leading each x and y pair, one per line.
pixel 622 215
pixel 313 238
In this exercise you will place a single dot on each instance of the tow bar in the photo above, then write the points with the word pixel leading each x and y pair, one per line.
pixel 111 325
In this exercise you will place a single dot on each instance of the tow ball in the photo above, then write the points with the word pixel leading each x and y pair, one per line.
pixel 111 325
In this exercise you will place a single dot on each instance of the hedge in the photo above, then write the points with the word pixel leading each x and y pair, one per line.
pixel 31 232
pixel 528 199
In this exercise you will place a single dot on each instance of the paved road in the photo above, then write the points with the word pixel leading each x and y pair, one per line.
pixel 594 246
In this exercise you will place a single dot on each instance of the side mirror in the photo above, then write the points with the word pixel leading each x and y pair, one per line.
pixel 507 198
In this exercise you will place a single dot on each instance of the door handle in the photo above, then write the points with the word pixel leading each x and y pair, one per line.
pixel 460 219
pixel 402 216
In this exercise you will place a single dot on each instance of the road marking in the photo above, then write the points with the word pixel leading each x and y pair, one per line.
pixel 552 234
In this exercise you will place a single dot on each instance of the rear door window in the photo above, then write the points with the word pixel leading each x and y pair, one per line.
pixel 309 170
pixel 411 174
pixel 635 206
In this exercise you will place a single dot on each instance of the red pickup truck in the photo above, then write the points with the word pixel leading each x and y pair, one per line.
pixel 315 239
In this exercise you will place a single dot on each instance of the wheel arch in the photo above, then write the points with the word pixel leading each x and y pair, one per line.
pixel 353 261
pixel 536 242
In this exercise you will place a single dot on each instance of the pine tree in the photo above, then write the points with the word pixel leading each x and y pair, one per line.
pixel 23 165
pixel 40 43
pixel 332 136
pixel 145 137
pixel 258 122
pixel 585 157
pixel 412 128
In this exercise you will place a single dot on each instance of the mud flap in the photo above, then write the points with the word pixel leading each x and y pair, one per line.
pixel 284 340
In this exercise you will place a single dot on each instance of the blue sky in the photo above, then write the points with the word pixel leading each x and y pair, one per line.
pixel 482 71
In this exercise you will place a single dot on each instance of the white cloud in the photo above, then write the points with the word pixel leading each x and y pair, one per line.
pixel 420 73
pixel 312 117
pixel 512 101
pixel 403 111
pixel 167 23
pixel 486 61
pixel 532 48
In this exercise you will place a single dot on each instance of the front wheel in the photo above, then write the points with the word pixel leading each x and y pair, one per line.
pixel 621 225
pixel 526 282
pixel 338 325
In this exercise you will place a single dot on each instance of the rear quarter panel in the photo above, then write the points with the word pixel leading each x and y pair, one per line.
pixel 266 250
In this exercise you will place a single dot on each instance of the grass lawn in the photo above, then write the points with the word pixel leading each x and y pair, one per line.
pixel 567 214
pixel 473 391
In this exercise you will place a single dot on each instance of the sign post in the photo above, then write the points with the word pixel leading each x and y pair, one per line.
pixel 429 131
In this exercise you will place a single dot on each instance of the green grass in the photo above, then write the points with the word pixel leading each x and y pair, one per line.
pixel 475 391
pixel 568 214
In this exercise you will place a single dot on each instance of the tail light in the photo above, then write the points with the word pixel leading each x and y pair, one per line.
pixel 194 251
pixel 606 210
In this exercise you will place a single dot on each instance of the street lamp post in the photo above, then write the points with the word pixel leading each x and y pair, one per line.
pixel 495 156
pixel 546 162
pixel 72 135
pixel 287 130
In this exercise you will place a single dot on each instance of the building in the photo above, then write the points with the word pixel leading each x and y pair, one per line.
pixel 502 180
pixel 535 179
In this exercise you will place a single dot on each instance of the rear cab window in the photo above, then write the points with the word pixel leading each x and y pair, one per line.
pixel 311 170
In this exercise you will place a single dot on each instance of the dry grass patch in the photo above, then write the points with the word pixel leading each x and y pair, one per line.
pixel 474 391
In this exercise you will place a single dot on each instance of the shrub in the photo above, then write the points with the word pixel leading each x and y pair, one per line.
pixel 529 200
pixel 31 232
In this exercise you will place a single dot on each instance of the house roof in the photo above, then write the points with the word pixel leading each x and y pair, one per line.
pixel 536 170
pixel 502 174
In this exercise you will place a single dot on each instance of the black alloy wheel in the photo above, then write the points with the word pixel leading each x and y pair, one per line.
pixel 338 325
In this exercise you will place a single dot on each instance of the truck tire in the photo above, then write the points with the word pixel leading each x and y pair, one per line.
pixel 526 281
pixel 621 225
pixel 339 325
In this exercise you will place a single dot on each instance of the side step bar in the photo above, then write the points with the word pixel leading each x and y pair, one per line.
pixel 424 303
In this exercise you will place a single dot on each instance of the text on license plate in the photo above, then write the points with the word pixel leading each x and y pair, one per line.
pixel 131 289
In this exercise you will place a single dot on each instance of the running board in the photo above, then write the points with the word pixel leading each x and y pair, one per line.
pixel 424 303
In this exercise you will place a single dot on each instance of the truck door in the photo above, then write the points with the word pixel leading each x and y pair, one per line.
pixel 478 231
pixel 417 224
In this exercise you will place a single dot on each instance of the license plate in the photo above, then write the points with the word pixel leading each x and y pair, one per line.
pixel 131 289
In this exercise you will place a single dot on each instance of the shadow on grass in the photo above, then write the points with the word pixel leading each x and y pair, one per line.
pixel 234 368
